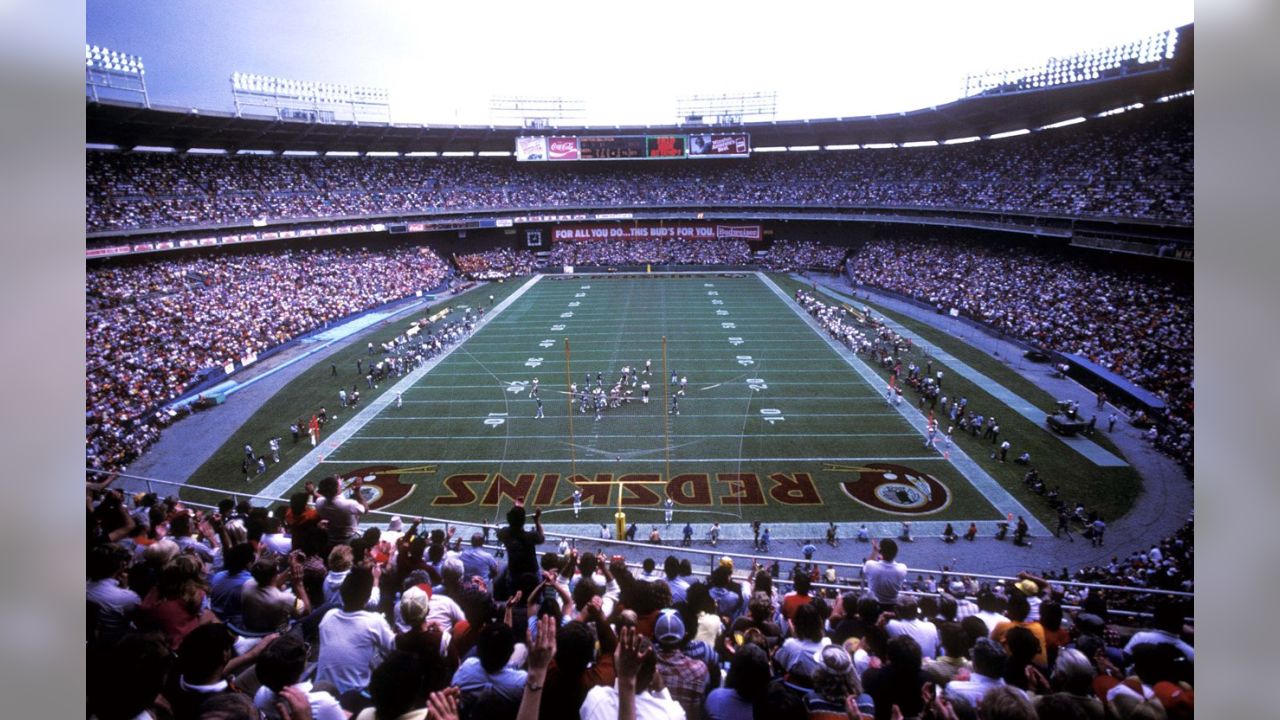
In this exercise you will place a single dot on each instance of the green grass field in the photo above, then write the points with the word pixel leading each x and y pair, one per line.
pixel 775 426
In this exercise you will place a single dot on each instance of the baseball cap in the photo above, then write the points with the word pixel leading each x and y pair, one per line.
pixel 669 628
pixel 414 603
pixel 1175 698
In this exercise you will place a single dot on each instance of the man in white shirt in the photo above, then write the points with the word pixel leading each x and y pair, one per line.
pixel 281 666
pixel 1168 625
pixel 352 640
pixel 106 573
pixel 884 576
pixel 988 673
pixel 908 622
pixel 602 703
pixel 988 610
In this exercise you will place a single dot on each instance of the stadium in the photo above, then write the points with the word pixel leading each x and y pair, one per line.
pixel 799 416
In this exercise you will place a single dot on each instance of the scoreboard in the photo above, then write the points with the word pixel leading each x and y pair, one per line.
pixel 632 147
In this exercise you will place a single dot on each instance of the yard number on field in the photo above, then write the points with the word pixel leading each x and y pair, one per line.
pixel 557 327
pixel 735 341
pixel 757 384
pixel 533 362
pixel 495 419
pixel 745 360
pixel 546 343
pixel 518 386
pixel 771 415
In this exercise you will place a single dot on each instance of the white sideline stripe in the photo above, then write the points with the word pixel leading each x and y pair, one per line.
pixel 698 399
pixel 558 364
pixel 593 435
pixel 1091 451
pixel 650 417
pixel 979 478
pixel 312 460
pixel 649 461
pixel 549 386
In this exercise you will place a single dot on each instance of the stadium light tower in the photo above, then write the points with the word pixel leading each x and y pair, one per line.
pixel 726 109
pixel 107 73
pixel 308 101
pixel 537 112
pixel 1150 54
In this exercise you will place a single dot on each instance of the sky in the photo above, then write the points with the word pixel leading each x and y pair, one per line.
pixel 628 62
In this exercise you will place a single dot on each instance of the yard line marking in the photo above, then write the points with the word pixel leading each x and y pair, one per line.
pixel 647 417
pixel 333 443
pixel 425 385
pixel 977 477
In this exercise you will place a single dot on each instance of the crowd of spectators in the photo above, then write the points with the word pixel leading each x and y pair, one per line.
pixel 496 264
pixel 1135 165
pixel 152 328
pixel 666 251
pixel 306 610
pixel 1136 325
pixel 787 255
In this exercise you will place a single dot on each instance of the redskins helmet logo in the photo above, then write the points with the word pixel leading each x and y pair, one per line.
pixel 895 489
pixel 382 484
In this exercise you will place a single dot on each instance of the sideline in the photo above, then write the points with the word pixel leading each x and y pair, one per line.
pixel 1090 450
pixel 313 459
pixel 995 494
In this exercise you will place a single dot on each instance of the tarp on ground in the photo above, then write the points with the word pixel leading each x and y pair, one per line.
pixel 1152 403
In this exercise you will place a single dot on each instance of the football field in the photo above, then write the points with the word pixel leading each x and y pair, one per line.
pixel 777 423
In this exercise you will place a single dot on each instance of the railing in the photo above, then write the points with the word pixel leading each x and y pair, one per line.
pixel 713 555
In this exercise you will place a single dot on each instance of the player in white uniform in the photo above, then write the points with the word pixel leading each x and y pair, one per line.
pixel 668 509
pixel 684 384
pixel 644 388
pixel 577 501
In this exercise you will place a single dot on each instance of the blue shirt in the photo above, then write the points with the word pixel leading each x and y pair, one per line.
pixel 224 596
pixel 472 679
pixel 727 704
pixel 477 561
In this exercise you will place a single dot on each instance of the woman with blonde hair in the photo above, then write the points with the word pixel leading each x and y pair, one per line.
pixel 176 605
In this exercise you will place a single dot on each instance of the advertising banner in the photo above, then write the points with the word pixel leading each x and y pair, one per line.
pixel 531 149
pixel 562 148
pixel 719 145
pixel 656 232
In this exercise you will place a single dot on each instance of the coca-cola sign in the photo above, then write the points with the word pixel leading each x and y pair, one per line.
pixel 562 148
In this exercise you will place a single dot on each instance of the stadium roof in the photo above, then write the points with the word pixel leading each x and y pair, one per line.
pixel 129 125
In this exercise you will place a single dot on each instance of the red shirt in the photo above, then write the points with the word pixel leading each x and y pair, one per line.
pixel 792 602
